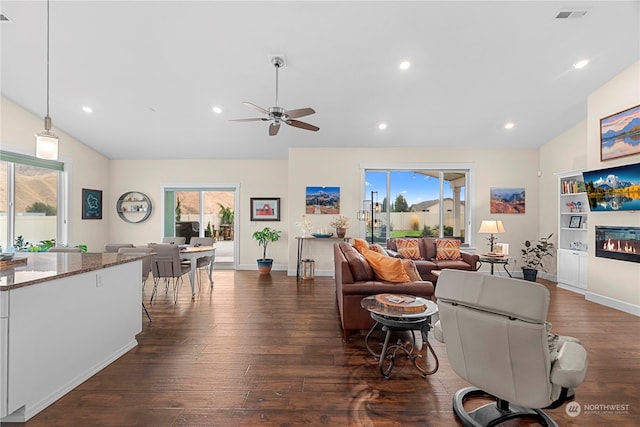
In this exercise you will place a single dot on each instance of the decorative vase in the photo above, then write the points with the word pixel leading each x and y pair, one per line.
pixel 529 274
pixel 340 232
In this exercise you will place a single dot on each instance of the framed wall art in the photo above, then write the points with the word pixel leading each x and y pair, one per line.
pixel 507 200
pixel 322 200
pixel 265 209
pixel 620 134
pixel 91 204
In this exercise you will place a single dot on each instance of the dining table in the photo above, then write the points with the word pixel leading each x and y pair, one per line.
pixel 192 253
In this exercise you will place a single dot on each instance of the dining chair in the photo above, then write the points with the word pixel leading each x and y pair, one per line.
pixel 174 240
pixel 166 265
pixel 146 264
pixel 64 249
pixel 113 247
pixel 203 262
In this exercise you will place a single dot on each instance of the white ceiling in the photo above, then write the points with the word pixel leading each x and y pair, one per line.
pixel 153 70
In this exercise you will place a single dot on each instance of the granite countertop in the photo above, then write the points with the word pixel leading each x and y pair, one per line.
pixel 43 266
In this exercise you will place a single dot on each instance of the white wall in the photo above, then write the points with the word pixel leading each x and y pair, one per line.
pixel 255 178
pixel 341 167
pixel 616 283
pixel 87 169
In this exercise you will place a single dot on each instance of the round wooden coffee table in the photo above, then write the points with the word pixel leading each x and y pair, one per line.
pixel 391 316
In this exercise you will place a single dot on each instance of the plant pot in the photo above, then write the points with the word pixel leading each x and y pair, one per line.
pixel 264 265
pixel 529 274
pixel 340 232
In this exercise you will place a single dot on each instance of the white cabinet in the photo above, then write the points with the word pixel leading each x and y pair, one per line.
pixel 572 232
pixel 572 270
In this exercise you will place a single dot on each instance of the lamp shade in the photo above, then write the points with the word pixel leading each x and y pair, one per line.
pixel 47 146
pixel 491 227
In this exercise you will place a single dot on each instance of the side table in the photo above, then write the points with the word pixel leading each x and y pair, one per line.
pixel 493 260
pixel 391 320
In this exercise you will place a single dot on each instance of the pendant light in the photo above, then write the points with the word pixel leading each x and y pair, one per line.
pixel 47 141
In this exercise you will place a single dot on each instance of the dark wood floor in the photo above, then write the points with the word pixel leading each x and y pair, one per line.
pixel 265 350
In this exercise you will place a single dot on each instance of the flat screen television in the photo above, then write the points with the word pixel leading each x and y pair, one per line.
pixel 613 189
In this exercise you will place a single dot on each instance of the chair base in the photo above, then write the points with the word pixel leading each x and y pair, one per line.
pixel 494 413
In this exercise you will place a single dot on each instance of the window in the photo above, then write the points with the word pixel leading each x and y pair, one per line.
pixel 30 199
pixel 418 201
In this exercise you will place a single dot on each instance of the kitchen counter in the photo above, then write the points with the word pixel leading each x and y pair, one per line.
pixel 44 266
pixel 63 318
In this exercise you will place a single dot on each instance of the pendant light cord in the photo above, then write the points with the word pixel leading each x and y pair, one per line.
pixel 47 59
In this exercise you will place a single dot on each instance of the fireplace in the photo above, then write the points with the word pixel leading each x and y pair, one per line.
pixel 621 243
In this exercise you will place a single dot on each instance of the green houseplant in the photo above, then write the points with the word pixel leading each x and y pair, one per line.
pixel 263 238
pixel 533 253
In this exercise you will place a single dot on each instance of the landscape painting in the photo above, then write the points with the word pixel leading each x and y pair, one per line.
pixel 507 200
pixel 323 200
pixel 620 134
pixel 613 189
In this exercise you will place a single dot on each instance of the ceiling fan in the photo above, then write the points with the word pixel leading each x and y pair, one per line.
pixel 277 115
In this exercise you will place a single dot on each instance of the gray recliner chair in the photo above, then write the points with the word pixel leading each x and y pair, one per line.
pixel 497 339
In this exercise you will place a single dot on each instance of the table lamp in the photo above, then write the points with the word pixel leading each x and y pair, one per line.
pixel 491 227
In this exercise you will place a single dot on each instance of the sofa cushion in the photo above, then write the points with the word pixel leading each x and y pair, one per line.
pixel 455 264
pixel 409 248
pixel 447 249
pixel 411 270
pixel 386 268
pixel 360 268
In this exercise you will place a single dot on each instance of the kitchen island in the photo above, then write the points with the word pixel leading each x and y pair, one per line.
pixel 63 318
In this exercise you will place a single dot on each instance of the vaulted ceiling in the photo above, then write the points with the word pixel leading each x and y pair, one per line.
pixel 152 71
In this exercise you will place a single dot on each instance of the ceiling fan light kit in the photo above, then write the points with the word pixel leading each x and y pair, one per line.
pixel 278 115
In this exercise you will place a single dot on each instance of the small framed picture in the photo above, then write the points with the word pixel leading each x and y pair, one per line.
pixel 91 204
pixel 575 221
pixel 265 209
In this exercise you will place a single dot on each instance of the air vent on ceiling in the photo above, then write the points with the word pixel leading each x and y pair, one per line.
pixel 568 14
pixel 5 18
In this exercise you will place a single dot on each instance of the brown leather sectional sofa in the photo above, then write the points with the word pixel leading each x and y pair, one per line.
pixel 354 282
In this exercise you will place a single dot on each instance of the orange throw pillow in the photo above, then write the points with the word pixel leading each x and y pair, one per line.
pixel 447 249
pixel 411 270
pixel 386 268
pixel 408 248
pixel 360 244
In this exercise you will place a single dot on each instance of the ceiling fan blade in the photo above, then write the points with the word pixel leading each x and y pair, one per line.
pixel 274 128
pixel 300 112
pixel 262 110
pixel 302 125
pixel 255 119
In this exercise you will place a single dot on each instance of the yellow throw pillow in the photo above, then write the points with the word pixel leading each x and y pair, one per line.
pixel 411 270
pixel 447 249
pixel 408 248
pixel 386 268
pixel 360 244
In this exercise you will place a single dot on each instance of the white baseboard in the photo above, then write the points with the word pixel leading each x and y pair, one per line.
pixel 613 303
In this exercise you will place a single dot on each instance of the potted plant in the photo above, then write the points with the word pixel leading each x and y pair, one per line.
pixel 533 255
pixel 226 221
pixel 340 223
pixel 263 237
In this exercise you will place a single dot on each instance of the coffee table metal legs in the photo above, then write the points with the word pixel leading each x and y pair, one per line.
pixel 387 357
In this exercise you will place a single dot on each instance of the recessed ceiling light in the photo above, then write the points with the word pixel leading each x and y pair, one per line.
pixel 509 125
pixel 87 109
pixel 382 126
pixel 581 64
pixel 404 65
pixel 217 110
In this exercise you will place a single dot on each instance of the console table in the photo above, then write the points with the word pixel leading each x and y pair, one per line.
pixel 301 241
